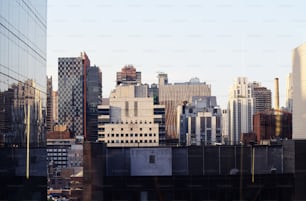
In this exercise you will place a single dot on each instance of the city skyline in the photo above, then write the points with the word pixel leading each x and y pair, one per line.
pixel 215 41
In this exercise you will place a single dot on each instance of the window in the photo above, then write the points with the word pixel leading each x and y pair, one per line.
pixel 140 129
pixel 140 134
pixel 121 129
pixel 151 159
pixel 121 135
pixel 117 135
pixel 126 135
pixel 136 135
pixel 150 129
pixel 145 135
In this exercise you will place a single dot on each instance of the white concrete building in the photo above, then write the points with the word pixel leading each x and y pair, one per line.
pixel 240 109
pixel 199 122
pixel 299 92
pixel 131 119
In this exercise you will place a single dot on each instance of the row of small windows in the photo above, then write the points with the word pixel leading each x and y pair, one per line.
pixel 131 122
pixel 122 129
pixel 56 150
pixel 57 154
pixel 131 141
pixel 58 158
pixel 129 135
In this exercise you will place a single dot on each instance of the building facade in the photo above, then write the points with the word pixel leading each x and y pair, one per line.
pixel 240 109
pixel 128 75
pixel 94 98
pixel 199 122
pixel 299 92
pixel 50 104
pixel 267 123
pixel 72 93
pixel 262 98
pixel 55 106
pixel 131 118
pixel 289 93
pixel 172 95
pixel 23 33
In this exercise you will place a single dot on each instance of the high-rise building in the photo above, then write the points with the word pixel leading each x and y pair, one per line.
pixel 50 113
pixel 72 93
pixel 262 98
pixel 94 98
pixel 128 75
pixel 289 93
pixel 199 122
pixel 23 26
pixel 172 95
pixel 225 128
pixel 55 106
pixel 131 119
pixel 299 92
pixel 240 109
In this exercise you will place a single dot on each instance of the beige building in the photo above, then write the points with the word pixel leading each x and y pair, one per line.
pixel 131 119
pixel 240 109
pixel 173 95
pixel 299 92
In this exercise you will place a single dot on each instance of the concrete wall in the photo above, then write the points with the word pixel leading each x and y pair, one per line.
pixel 151 161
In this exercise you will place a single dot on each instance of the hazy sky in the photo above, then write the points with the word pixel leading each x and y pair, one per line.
pixel 215 41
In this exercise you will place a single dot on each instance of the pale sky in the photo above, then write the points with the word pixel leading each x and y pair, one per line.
pixel 215 41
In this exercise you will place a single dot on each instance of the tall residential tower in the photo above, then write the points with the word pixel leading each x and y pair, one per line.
pixel 240 109
pixel 299 92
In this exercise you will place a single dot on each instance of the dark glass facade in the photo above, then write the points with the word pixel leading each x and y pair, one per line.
pixel 23 26
pixel 94 98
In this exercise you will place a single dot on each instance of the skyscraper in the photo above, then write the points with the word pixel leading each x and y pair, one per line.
pixel 72 93
pixel 262 97
pixel 94 98
pixel 23 26
pixel 172 95
pixel 50 113
pixel 240 109
pixel 289 93
pixel 299 92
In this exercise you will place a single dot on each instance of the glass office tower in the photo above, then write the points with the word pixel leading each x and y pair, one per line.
pixel 23 26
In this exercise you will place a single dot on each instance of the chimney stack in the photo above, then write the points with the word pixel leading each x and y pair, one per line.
pixel 276 97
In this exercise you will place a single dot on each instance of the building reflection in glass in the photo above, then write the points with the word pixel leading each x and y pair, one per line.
pixel 14 115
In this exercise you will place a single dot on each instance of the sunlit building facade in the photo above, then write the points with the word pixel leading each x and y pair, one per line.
pixel 131 119
pixel 299 92
pixel 240 109
pixel 172 95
